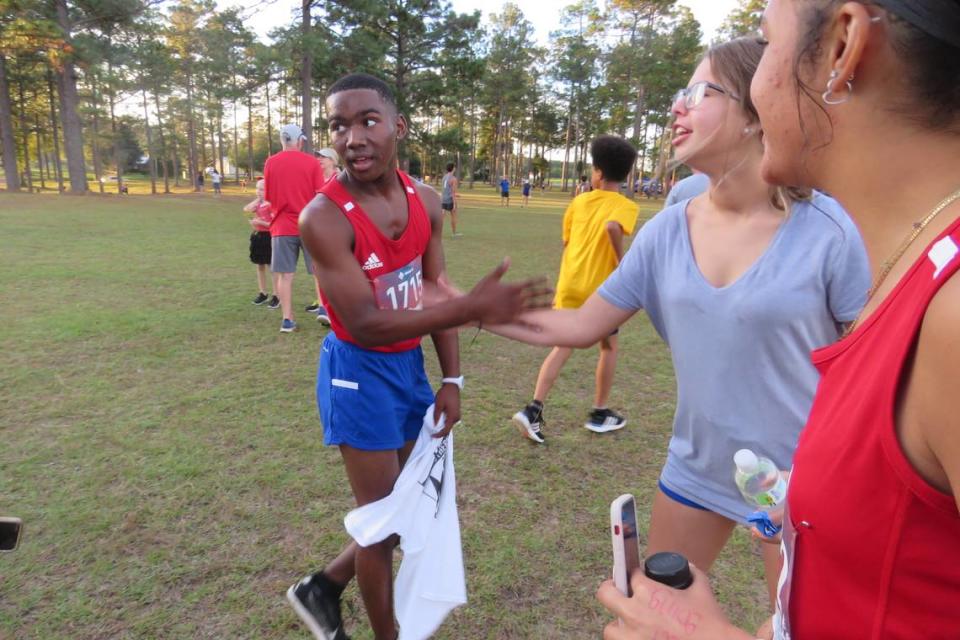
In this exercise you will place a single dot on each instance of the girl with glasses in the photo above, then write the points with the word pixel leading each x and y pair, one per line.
pixel 741 282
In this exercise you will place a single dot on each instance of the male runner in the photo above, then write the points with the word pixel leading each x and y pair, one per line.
pixel 375 235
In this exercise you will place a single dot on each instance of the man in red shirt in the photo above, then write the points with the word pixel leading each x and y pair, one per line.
pixel 292 178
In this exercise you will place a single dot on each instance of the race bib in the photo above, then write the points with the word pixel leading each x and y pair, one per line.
pixel 402 288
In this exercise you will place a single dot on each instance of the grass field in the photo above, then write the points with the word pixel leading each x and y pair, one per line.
pixel 161 443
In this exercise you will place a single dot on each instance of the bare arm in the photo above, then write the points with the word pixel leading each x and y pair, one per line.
pixel 578 328
pixel 328 237
pixel 615 234
pixel 927 420
pixel 252 205
pixel 446 342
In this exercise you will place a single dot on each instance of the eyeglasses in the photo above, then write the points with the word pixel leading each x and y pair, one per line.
pixel 693 95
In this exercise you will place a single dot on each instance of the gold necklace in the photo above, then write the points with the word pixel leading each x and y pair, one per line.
pixel 893 259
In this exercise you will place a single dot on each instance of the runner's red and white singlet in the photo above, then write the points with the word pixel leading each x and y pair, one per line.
pixel 872 551
pixel 393 267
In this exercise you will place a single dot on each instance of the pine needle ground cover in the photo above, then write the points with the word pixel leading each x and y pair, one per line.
pixel 159 435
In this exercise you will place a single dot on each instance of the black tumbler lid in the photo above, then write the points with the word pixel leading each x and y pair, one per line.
pixel 669 568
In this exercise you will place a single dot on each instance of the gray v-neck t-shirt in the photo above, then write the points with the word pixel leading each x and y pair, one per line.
pixel 741 353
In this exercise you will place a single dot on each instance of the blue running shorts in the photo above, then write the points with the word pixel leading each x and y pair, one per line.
pixel 676 497
pixel 369 399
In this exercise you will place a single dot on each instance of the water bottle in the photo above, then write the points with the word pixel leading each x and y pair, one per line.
pixel 759 480
pixel 669 568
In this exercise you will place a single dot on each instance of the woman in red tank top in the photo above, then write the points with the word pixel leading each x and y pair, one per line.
pixel 861 100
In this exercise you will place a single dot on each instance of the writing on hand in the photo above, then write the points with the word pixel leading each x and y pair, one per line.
pixel 664 603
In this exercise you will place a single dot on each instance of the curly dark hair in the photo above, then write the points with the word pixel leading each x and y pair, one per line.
pixel 613 157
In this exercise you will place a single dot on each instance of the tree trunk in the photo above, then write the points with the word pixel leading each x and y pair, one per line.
pixel 201 126
pixel 664 154
pixel 192 168
pixel 25 133
pixel 163 145
pixel 95 142
pixel 113 131
pixel 473 140
pixel 236 145
pixel 306 74
pixel 150 153
pixel 69 100
pixel 565 170
pixel 269 125
pixel 250 170
pixel 43 182
pixel 56 134
pixel 178 164
pixel 220 144
pixel 11 171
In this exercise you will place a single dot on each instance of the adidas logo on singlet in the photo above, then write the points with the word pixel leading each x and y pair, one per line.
pixel 373 262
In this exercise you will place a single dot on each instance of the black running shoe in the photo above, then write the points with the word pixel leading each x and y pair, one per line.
pixel 312 308
pixel 603 420
pixel 318 606
pixel 261 298
pixel 274 303
pixel 529 422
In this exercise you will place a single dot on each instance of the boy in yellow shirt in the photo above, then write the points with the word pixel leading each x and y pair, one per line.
pixel 593 229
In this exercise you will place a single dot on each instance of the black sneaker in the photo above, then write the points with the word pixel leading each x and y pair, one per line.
pixel 261 298
pixel 529 422
pixel 603 420
pixel 274 303
pixel 318 606
pixel 312 308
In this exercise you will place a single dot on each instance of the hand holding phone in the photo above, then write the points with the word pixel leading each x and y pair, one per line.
pixel 626 541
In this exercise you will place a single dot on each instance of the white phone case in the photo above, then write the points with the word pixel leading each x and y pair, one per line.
pixel 621 572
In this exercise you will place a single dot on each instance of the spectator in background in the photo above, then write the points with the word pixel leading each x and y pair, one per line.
pixel 526 193
pixel 292 178
pixel 505 192
pixel 260 246
pixel 448 198
pixel 329 164
pixel 216 179
pixel 582 187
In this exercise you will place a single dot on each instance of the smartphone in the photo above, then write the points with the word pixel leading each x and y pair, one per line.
pixel 10 529
pixel 626 541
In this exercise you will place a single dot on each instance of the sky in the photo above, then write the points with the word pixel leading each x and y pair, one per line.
pixel 270 14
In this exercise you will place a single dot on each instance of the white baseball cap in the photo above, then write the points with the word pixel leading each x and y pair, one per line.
pixel 291 133
pixel 327 152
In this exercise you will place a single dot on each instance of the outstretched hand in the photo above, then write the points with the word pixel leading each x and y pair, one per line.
pixel 497 302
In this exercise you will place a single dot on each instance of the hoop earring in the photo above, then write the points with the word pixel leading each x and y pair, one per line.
pixel 827 95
